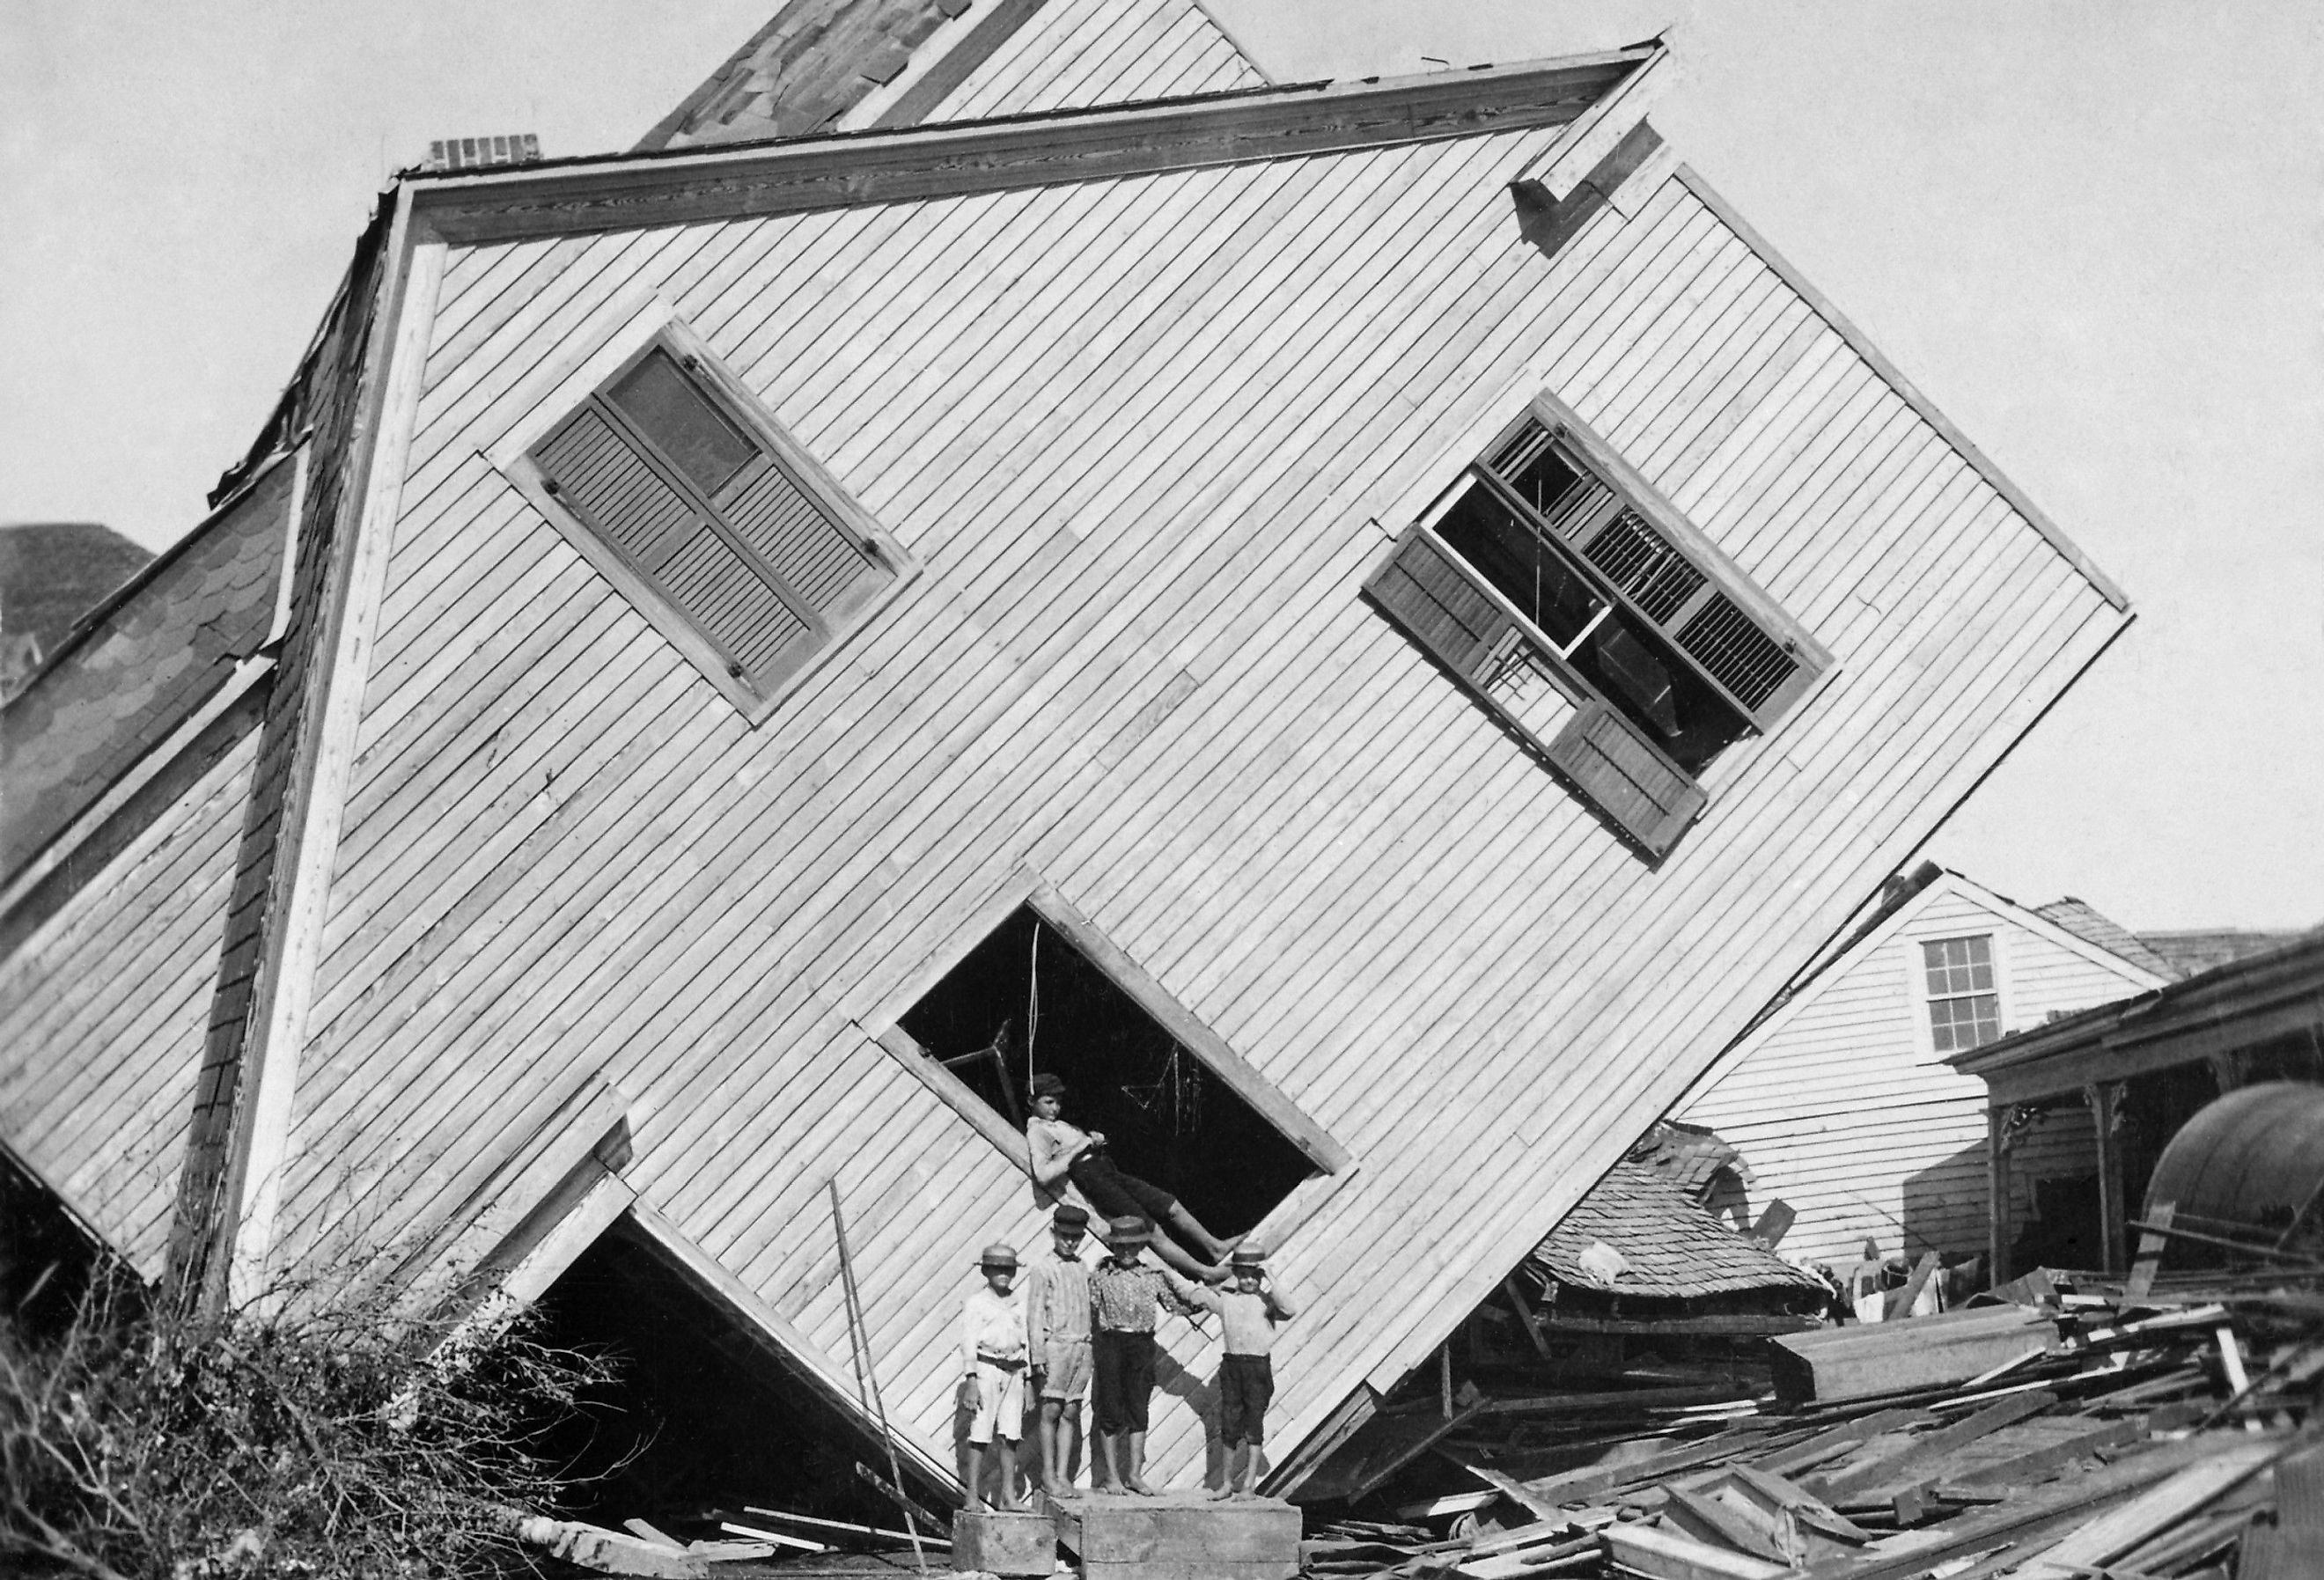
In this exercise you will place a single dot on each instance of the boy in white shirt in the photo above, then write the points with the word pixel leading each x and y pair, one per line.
pixel 1248 1312
pixel 992 1364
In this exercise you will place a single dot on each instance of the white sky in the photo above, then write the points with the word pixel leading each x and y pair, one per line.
pixel 2091 232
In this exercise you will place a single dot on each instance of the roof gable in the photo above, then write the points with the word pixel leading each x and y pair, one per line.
pixel 1899 921
pixel 2084 921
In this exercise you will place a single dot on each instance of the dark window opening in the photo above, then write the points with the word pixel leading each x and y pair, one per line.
pixel 1618 655
pixel 1026 999
pixel 700 1420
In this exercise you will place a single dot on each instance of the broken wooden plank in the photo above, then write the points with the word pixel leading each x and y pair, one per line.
pixel 2112 1534
pixel 1707 1519
pixel 1833 1441
pixel 848 1527
pixel 760 1533
pixel 646 1531
pixel 2038 1463
pixel 1666 1555
pixel 609 1552
pixel 2152 1240
pixel 1525 1316
pixel 1921 1454
pixel 1900 1301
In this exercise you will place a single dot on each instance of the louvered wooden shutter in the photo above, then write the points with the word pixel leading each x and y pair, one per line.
pixel 1763 670
pixel 815 556
pixel 673 543
pixel 1610 762
pixel 1438 602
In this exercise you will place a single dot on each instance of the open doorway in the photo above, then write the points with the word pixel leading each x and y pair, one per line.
pixel 701 1422
pixel 1028 998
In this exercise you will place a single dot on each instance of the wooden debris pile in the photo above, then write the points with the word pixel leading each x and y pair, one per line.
pixel 2078 1435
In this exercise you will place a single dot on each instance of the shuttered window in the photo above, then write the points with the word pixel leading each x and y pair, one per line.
pixel 1582 609
pixel 733 540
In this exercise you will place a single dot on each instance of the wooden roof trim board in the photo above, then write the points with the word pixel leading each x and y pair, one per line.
pixel 1905 389
pixel 393 363
pixel 848 168
pixel 1947 882
pixel 2154 1029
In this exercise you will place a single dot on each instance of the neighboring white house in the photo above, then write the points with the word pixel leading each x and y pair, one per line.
pixel 1837 1100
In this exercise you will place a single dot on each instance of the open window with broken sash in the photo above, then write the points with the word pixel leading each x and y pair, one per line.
pixel 1587 613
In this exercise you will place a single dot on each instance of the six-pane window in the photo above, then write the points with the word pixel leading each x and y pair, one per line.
pixel 1964 1003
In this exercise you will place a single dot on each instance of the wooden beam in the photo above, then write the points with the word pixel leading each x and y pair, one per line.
pixel 849 170
pixel 2102 1097
pixel 1997 1196
pixel 1532 1323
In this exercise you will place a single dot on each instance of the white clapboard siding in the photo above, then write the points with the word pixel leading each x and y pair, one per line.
pixel 102 1013
pixel 1147 438
pixel 1842 1109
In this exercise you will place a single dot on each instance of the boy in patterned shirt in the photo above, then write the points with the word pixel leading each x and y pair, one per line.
pixel 1126 1295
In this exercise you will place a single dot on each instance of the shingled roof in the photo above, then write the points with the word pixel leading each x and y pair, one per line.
pixel 1675 1250
pixel 139 666
pixel 2082 919
pixel 52 573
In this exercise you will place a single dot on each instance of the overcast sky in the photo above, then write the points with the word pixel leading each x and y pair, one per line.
pixel 2091 233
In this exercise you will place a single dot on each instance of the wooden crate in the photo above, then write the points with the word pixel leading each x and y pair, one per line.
pixel 1004 1541
pixel 1181 1536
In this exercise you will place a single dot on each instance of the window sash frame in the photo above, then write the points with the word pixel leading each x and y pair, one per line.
pixel 833 627
pixel 1589 456
pixel 1334 1165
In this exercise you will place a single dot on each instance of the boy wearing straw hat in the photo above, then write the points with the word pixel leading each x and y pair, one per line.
pixel 1248 1312
pixel 992 1364
pixel 1126 1295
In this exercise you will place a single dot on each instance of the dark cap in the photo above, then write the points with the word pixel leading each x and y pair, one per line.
pixel 1045 1084
pixel 1069 1217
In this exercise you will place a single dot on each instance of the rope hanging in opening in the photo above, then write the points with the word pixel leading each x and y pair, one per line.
pixel 1032 1002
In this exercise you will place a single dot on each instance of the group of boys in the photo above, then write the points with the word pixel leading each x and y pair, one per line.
pixel 1081 1329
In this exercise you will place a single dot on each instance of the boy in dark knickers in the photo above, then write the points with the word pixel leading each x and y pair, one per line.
pixel 1126 1297
pixel 1064 1153
pixel 1250 1313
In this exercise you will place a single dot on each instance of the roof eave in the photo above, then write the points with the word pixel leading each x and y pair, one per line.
pixel 957 159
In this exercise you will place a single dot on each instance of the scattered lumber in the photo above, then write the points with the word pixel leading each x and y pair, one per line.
pixel 609 1552
pixel 2072 1432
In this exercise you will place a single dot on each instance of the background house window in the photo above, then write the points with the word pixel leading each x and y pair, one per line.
pixel 1177 1108
pixel 1582 608
pixel 1964 1003
pixel 716 523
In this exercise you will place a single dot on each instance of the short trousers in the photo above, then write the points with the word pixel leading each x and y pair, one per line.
pixel 1121 1379
pixel 1246 1385
pixel 1000 1403
pixel 1111 1194
pixel 1065 1370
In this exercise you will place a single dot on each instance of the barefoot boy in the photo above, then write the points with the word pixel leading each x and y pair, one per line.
pixel 1058 1338
pixel 1126 1293
pixel 1248 1312
pixel 993 1361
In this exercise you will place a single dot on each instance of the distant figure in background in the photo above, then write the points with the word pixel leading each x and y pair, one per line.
pixel 1248 1312
pixel 1063 1153
pixel 1057 1342
pixel 1126 1297
pixel 993 1364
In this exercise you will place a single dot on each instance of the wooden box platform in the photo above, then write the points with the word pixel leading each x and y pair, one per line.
pixel 1004 1541
pixel 1180 1535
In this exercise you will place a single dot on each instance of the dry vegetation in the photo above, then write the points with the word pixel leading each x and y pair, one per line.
pixel 135 1443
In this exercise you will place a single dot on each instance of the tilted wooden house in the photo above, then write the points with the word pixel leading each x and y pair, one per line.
pixel 1383 606
pixel 1841 1099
